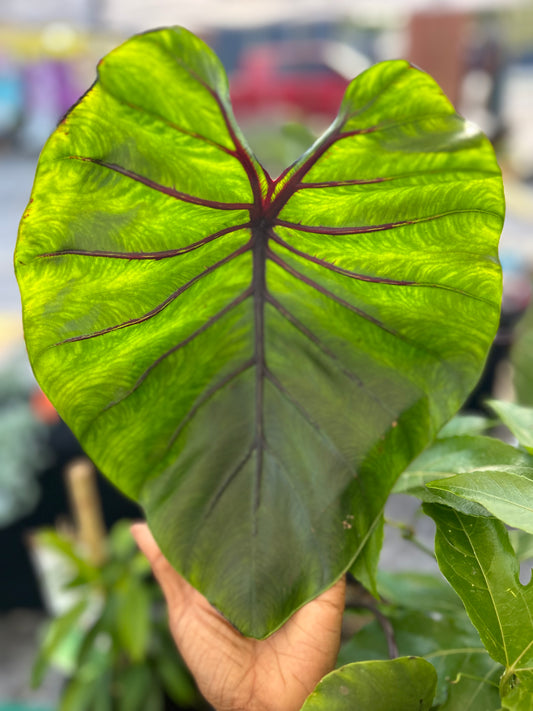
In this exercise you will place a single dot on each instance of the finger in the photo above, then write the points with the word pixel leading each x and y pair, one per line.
pixel 172 584
pixel 324 612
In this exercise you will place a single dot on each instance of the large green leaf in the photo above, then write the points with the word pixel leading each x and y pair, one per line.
pixel 255 360
pixel 477 558
pixel 404 684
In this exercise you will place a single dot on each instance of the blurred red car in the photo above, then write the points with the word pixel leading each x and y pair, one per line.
pixel 293 77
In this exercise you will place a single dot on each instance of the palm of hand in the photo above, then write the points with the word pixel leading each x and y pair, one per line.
pixel 236 673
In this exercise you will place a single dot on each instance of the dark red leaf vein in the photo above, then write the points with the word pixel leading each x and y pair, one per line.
pixel 319 343
pixel 240 152
pixel 171 192
pixel 359 312
pixel 213 502
pixel 171 124
pixel 318 547
pixel 307 417
pixel 375 279
pixel 153 312
pixel 484 174
pixel 210 322
pixel 207 395
pixel 340 183
pixel 367 229
pixel 163 254
pixel 340 270
pixel 259 239
pixel 227 481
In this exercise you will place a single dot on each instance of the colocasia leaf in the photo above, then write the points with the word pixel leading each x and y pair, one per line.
pixel 256 360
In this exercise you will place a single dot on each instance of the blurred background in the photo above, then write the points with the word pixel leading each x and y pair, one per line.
pixel 289 63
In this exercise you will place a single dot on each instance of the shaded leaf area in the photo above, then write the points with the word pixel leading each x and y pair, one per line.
pixel 469 458
pixel 519 420
pixel 477 558
pixel 429 621
pixel 406 684
pixel 521 351
pixel 365 567
pixel 252 356
pixel 467 425
pixel 522 543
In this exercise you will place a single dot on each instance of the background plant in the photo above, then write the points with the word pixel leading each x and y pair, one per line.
pixel 114 642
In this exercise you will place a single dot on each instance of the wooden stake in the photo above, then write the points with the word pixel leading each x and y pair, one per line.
pixel 86 508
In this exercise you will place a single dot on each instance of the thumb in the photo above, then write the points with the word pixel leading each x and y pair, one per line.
pixel 171 582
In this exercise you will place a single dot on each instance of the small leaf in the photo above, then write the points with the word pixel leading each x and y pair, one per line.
pixel 522 543
pixel 507 492
pixel 57 632
pixel 418 591
pixel 135 690
pixel 82 691
pixel 468 692
pixel 121 543
pixel 404 684
pixel 465 425
pixel 133 618
pixel 521 350
pixel 176 679
pixel 477 558
pixel 365 568
pixel 518 418
pixel 85 572
pixel 457 455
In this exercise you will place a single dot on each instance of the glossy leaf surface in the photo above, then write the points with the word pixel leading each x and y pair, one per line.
pixel 255 361
pixel 478 560
pixel 404 684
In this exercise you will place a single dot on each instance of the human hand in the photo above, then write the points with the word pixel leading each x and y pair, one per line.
pixel 236 673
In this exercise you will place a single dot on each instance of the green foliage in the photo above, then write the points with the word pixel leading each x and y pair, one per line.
pixel 476 556
pixel 518 418
pixel 428 620
pixel 404 684
pixel 116 637
pixel 507 492
pixel 521 351
pixel 252 356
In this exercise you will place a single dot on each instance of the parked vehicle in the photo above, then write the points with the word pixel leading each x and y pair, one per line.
pixel 297 77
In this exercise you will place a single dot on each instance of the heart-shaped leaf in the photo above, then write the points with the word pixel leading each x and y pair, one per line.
pixel 255 360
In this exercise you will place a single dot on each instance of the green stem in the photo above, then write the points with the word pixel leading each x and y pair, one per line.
pixel 409 534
